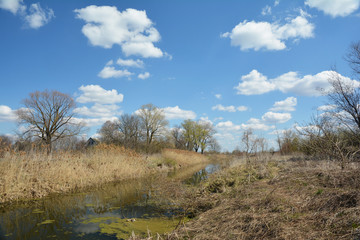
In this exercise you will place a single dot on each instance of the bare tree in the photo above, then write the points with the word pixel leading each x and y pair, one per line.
pixel 324 138
pixel 353 58
pixel 178 137
pixel 129 126
pixel 345 97
pixel 214 146
pixel 109 133
pixel 152 121
pixel 250 143
pixel 48 115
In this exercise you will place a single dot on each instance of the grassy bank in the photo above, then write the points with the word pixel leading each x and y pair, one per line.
pixel 36 175
pixel 274 200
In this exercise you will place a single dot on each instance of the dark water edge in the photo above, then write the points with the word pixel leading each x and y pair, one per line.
pixel 112 212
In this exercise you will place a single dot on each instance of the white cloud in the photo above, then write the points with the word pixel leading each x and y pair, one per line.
pixel 111 72
pixel 269 36
pixel 130 63
pixel 335 8
pixel 205 120
pixel 178 113
pixel 325 108
pixel 144 75
pixel 99 110
pixel 38 17
pixel 266 10
pixel 96 94
pixel 90 122
pixel 12 5
pixel 218 96
pixel 34 17
pixel 131 29
pixel 254 83
pixel 286 105
pixel 230 108
pixel 310 85
pixel 272 117
pixel 228 126
pixel 276 3
pixel 7 114
pixel 257 124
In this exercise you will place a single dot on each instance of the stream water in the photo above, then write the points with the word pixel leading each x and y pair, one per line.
pixel 112 212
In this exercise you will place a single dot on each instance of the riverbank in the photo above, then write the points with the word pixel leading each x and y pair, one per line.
pixel 274 200
pixel 35 175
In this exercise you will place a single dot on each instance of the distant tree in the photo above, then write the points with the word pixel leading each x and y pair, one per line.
pixel 326 139
pixel 197 134
pixel 213 145
pixel 152 122
pixel 249 143
pixel 48 115
pixel 5 145
pixel 206 131
pixel 189 126
pixel 178 136
pixel 109 133
pixel 129 126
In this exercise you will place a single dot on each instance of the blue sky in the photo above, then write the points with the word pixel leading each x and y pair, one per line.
pixel 237 64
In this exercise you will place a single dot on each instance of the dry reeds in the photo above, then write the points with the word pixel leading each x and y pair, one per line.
pixel 35 175
pixel 280 200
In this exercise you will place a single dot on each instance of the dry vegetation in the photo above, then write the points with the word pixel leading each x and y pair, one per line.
pixel 26 176
pixel 273 200
pixel 288 200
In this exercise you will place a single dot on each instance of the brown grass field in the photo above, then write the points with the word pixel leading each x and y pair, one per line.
pixel 286 199
pixel 35 175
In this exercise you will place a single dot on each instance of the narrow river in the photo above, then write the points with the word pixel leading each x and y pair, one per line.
pixel 112 212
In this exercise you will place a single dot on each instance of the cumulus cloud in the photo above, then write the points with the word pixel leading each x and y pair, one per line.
pixel 13 6
pixel 144 75
pixel 7 114
pixel 335 8
pixel 111 72
pixel 269 36
pixel 34 16
pixel 99 110
pixel 130 63
pixel 325 108
pixel 230 108
pixel 37 16
pixel 272 117
pixel 131 29
pixel 257 124
pixel 255 83
pixel 218 96
pixel 228 126
pixel 90 122
pixel 286 105
pixel 96 94
pixel 178 113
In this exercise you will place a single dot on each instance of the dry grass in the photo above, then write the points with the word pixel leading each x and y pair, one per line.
pixel 275 200
pixel 178 158
pixel 35 175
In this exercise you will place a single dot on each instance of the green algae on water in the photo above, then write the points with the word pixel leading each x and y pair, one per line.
pixel 36 211
pixel 46 222
pixel 123 228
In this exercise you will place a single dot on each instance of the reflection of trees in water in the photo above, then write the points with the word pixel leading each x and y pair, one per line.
pixel 131 199
pixel 197 177
pixel 24 222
